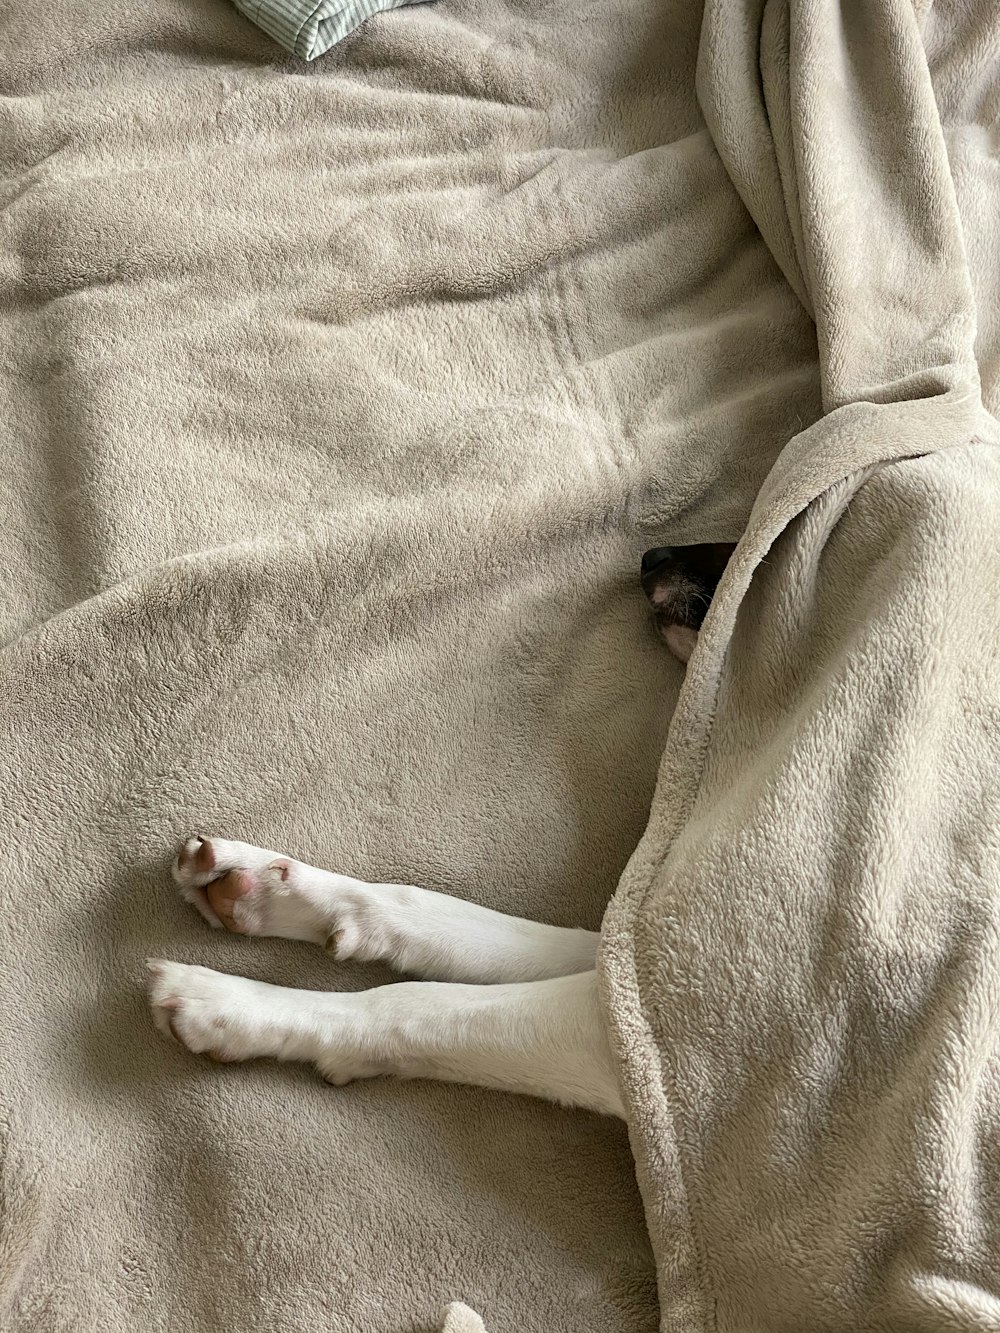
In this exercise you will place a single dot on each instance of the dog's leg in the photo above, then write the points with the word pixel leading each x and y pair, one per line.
pixel 257 892
pixel 543 1038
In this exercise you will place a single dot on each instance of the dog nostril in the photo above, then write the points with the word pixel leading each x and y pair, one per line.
pixel 654 558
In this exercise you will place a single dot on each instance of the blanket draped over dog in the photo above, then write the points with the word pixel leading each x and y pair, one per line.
pixel 803 959
pixel 338 405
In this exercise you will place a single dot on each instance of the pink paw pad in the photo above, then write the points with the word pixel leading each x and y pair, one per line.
pixel 225 892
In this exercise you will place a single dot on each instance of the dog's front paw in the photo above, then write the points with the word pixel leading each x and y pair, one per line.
pixel 256 892
pixel 232 1018
pixel 245 889
pixel 210 1013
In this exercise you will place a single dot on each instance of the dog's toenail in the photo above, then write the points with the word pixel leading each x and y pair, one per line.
pixel 204 856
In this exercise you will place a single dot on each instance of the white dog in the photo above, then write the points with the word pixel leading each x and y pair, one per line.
pixel 504 1002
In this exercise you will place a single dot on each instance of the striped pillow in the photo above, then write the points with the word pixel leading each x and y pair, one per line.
pixel 307 28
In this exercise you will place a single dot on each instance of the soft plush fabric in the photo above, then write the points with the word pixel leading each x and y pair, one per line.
pixel 339 403
pixel 802 964
pixel 308 29
pixel 460 1318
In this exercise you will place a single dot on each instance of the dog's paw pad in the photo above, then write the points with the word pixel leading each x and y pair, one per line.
pixel 230 882
pixel 226 897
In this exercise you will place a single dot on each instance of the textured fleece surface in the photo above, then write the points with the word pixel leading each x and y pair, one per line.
pixel 339 402
pixel 802 964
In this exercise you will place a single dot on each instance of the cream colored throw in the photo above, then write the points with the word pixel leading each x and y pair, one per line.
pixel 338 404
pixel 802 963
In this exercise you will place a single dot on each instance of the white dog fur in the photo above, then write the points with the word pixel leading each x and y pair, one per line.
pixel 507 1003
pixel 504 1002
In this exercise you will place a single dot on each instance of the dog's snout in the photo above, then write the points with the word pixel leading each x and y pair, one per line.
pixel 653 559
pixel 680 582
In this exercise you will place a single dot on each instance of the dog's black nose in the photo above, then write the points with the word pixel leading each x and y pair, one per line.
pixel 653 559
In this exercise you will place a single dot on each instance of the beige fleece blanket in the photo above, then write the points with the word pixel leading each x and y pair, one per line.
pixel 802 964
pixel 338 404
